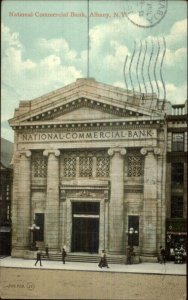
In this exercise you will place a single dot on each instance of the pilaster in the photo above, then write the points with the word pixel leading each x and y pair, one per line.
pixel 23 209
pixel 149 234
pixel 52 199
pixel 116 217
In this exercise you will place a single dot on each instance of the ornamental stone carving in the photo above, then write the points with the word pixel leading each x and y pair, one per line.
pixel 155 150
pixel 122 151
pixel 51 151
pixel 26 153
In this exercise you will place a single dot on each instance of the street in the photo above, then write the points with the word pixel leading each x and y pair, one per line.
pixel 42 283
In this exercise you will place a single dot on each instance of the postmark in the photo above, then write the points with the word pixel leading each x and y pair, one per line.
pixel 146 13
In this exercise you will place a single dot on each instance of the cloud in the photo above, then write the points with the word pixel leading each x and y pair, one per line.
pixel 117 58
pixel 178 34
pixel 176 94
pixel 176 58
pixel 11 39
pixel 59 46
pixel 21 74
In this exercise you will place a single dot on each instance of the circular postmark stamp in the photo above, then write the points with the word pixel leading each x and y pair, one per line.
pixel 146 13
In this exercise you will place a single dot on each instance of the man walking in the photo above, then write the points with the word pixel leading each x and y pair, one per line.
pixel 64 254
pixel 103 260
pixel 38 258
pixel 163 255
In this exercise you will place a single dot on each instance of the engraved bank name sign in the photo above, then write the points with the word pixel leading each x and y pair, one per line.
pixel 87 135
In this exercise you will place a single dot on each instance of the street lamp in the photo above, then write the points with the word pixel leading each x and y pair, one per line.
pixel 33 230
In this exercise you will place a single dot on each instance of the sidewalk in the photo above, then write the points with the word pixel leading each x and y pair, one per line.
pixel 170 268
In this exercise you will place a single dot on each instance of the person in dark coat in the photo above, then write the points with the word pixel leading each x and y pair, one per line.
pixel 47 250
pixel 103 260
pixel 38 258
pixel 130 254
pixel 64 254
pixel 162 255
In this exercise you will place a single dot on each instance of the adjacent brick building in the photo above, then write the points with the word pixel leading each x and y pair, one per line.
pixel 5 196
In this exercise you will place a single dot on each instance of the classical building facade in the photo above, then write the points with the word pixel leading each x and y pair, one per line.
pixel 90 170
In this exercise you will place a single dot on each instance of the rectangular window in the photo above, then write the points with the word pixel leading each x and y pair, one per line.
pixel 39 221
pixel 178 142
pixel 177 173
pixel 177 206
pixel 133 230
pixel 88 208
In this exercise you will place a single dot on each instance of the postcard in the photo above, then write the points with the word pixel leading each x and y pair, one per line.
pixel 94 137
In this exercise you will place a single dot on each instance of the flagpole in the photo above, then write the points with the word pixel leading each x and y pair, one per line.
pixel 87 38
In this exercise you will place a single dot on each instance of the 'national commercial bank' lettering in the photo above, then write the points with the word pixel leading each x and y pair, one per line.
pixel 87 135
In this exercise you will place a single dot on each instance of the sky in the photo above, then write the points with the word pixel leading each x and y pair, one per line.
pixel 40 53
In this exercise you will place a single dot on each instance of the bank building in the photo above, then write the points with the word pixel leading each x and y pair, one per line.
pixel 90 172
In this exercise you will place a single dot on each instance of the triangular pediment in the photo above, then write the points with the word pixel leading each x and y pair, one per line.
pixel 85 113
pixel 83 100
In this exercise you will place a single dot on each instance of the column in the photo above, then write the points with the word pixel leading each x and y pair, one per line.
pixel 116 217
pixel 149 235
pixel 52 199
pixel 102 226
pixel 23 212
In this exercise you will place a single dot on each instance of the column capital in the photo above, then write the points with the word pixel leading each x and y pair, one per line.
pixel 27 153
pixel 112 151
pixel 147 150
pixel 56 152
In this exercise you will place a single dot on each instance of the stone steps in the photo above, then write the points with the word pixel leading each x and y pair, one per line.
pixel 89 258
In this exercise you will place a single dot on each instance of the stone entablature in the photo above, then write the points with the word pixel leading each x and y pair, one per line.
pixel 94 135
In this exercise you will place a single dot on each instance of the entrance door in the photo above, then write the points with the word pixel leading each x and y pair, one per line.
pixel 85 227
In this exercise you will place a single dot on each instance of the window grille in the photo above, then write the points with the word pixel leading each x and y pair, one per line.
pixel 135 166
pixel 85 166
pixel 103 167
pixel 70 166
pixel 40 166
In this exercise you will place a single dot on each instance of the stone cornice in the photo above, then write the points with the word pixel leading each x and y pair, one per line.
pixel 139 121
pixel 73 102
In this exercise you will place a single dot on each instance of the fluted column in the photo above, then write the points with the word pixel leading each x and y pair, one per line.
pixel 116 218
pixel 52 199
pixel 149 234
pixel 23 212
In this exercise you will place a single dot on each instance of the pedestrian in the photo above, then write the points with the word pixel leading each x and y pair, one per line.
pixel 162 255
pixel 38 258
pixel 64 254
pixel 103 260
pixel 130 254
pixel 47 250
